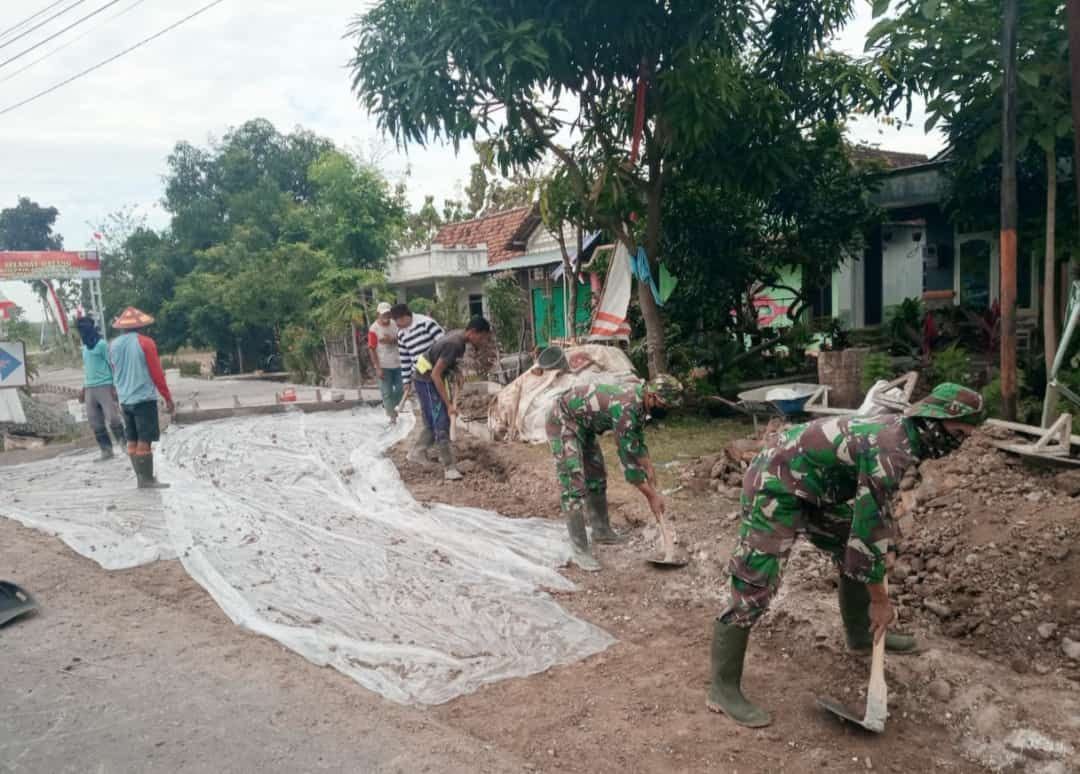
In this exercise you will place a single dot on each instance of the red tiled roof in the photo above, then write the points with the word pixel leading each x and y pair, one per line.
pixel 505 233
pixel 887 158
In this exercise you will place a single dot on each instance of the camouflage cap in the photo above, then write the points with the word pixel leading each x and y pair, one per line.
pixel 667 388
pixel 949 401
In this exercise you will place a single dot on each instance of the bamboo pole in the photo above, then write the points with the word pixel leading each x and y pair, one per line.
pixel 1008 213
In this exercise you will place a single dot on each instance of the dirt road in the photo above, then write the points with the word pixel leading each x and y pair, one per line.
pixel 139 671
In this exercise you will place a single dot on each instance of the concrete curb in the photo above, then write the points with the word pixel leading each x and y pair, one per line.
pixel 208 415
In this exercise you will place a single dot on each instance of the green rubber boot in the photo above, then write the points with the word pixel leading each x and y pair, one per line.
pixel 855 613
pixel 579 539
pixel 725 693
pixel 144 469
pixel 596 503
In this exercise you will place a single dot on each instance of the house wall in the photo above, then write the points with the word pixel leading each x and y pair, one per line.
pixel 902 263
pixel 543 240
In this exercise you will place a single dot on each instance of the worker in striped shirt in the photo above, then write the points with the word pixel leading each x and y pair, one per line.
pixel 416 333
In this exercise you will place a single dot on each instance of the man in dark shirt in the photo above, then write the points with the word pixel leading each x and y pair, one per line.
pixel 431 372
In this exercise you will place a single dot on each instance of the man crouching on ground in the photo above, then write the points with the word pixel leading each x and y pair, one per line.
pixel 431 374
pixel 830 480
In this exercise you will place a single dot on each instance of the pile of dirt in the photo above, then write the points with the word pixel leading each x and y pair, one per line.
pixel 474 406
pixel 510 479
pixel 990 556
pixel 723 473
pixel 46 416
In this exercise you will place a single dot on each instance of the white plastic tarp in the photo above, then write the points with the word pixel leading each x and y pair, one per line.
pixel 301 530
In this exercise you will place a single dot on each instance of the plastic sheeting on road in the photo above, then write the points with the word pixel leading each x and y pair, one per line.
pixel 302 531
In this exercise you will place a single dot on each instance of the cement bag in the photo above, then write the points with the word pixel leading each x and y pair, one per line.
pixel 520 412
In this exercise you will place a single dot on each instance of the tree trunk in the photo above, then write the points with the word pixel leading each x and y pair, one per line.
pixel 650 312
pixel 1008 214
pixel 1049 261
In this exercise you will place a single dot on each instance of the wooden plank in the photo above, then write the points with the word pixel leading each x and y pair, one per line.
pixel 1018 427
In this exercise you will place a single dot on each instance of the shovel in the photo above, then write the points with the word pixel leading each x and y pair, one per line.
pixel 877 693
pixel 668 559
pixel 14 601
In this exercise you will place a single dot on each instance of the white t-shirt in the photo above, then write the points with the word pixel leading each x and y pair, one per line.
pixel 385 351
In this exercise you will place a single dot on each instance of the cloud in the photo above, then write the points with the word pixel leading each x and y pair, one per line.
pixel 101 142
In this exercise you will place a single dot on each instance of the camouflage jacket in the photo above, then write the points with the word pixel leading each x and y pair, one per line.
pixel 598 408
pixel 847 466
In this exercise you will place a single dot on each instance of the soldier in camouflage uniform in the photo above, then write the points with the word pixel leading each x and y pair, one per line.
pixel 577 418
pixel 831 480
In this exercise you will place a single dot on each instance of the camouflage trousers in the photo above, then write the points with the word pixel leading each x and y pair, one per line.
pixel 771 523
pixel 579 463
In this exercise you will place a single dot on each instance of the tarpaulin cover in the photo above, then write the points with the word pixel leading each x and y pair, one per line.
pixel 521 408
pixel 301 530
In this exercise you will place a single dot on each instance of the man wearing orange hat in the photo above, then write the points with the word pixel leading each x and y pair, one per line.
pixel 140 381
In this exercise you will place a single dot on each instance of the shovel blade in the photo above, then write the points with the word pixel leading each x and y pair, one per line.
pixel 14 602
pixel 875 724
pixel 662 562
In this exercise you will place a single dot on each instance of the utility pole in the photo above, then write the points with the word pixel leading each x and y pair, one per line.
pixel 1073 15
pixel 1008 213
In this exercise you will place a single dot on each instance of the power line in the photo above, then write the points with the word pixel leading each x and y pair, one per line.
pixel 30 18
pixel 112 58
pixel 41 43
pixel 39 25
pixel 71 42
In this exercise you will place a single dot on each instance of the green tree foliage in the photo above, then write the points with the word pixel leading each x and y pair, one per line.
pixel 29 226
pixel 273 239
pixel 723 241
pixel 949 51
pixel 731 87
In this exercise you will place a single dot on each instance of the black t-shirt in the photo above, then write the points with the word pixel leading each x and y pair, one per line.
pixel 450 348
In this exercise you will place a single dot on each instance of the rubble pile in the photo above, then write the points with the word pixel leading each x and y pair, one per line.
pixel 473 407
pixel 989 556
pixel 44 418
pixel 723 472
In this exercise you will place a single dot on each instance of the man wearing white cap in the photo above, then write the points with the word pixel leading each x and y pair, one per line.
pixel 383 349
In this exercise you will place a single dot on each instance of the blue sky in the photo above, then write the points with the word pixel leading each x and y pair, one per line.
pixel 100 144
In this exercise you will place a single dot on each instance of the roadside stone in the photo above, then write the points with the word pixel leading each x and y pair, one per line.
pixel 1060 552
pixel 1068 482
pixel 901 571
pixel 1046 630
pixel 987 721
pixel 940 690
pixel 1070 648
pixel 940 609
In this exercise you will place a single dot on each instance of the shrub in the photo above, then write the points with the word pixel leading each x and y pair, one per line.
pixel 1028 408
pixel 191 368
pixel 877 366
pixel 509 307
pixel 952 364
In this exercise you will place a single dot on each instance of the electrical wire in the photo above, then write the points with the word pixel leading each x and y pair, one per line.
pixel 42 42
pixel 30 18
pixel 39 25
pixel 71 42
pixel 112 58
